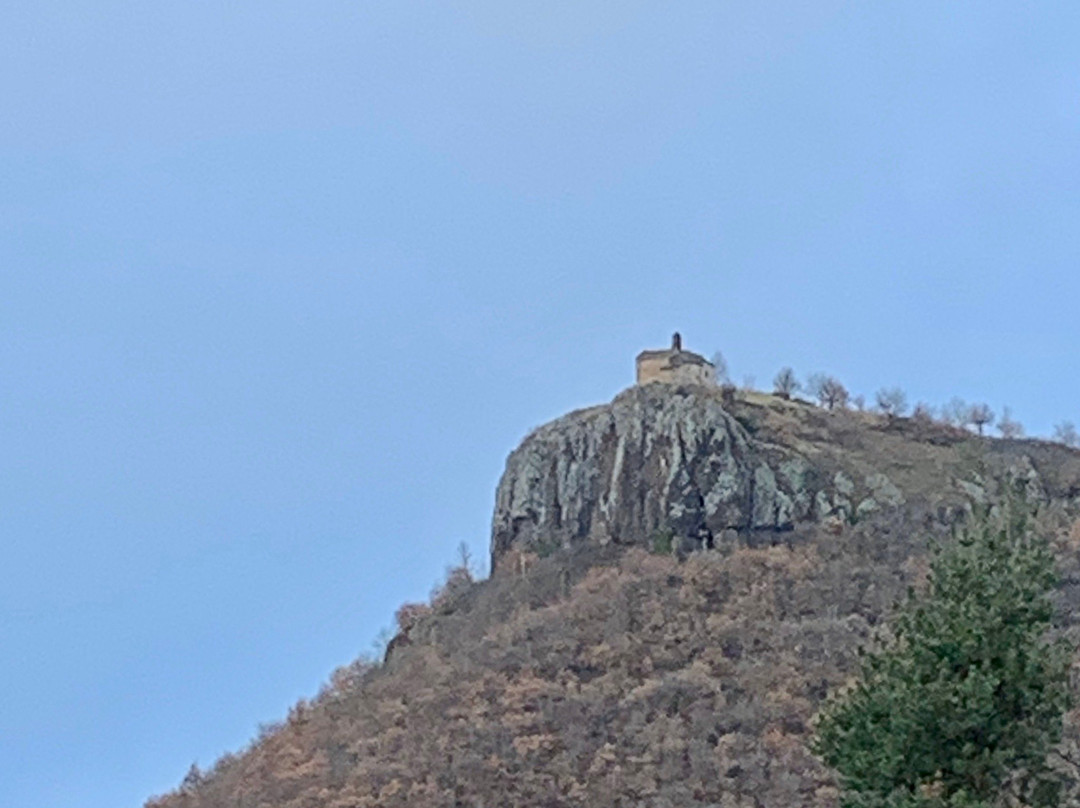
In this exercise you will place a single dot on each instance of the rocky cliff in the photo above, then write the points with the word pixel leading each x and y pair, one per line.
pixel 689 465
pixel 658 458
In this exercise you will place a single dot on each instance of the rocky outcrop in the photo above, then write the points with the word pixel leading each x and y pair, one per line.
pixel 660 459
pixel 689 465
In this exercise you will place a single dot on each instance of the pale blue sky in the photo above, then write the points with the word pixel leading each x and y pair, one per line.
pixel 281 284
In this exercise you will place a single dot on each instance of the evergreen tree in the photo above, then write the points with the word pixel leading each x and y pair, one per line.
pixel 960 707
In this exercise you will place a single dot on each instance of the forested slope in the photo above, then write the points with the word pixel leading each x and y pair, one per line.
pixel 651 672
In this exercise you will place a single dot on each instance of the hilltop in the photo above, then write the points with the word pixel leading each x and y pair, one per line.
pixel 679 578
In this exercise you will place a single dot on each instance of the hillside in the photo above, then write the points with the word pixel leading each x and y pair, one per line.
pixel 680 577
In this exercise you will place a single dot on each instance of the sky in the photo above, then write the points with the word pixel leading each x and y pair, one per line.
pixel 282 284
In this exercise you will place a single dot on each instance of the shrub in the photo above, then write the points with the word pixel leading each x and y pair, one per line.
pixel 663 540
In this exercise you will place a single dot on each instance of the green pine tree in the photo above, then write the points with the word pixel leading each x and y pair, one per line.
pixel 962 704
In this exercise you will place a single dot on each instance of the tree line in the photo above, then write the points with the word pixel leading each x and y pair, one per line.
pixel 829 392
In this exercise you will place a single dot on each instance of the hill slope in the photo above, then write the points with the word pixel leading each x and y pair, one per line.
pixel 592 669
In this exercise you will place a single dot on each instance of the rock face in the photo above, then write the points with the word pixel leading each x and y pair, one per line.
pixel 659 460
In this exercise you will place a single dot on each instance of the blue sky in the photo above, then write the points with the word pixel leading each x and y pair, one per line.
pixel 281 284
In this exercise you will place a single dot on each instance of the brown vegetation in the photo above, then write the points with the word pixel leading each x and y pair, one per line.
pixel 605 676
pixel 616 679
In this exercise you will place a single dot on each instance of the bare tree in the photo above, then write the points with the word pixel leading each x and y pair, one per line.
pixel 720 368
pixel 748 382
pixel 381 642
pixel 1008 426
pixel 1066 433
pixel 834 394
pixel 192 780
pixel 923 413
pixel 828 391
pixel 956 412
pixel 465 559
pixel 980 416
pixel 859 402
pixel 892 401
pixel 785 384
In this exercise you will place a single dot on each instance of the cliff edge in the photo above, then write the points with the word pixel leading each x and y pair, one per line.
pixel 696 467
